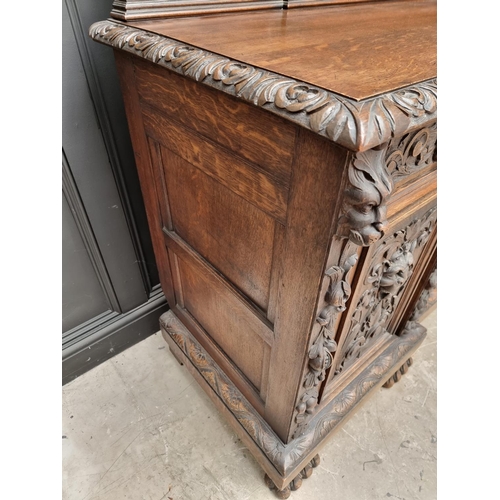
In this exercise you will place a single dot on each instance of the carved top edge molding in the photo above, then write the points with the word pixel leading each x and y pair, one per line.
pixel 356 125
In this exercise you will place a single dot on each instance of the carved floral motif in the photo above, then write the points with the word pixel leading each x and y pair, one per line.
pixel 320 353
pixel 356 125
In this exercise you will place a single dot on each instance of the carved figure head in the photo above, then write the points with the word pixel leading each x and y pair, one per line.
pixel 365 213
pixel 397 271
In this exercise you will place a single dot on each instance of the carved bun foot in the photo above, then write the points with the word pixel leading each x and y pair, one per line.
pixel 399 373
pixel 316 461
pixel 296 483
pixel 284 493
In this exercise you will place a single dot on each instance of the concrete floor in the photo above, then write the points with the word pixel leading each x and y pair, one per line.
pixel 139 427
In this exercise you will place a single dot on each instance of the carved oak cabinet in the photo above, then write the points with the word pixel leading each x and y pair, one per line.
pixel 287 159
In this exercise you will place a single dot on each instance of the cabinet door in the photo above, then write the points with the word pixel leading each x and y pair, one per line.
pixel 391 266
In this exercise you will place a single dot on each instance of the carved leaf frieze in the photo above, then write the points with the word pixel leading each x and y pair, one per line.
pixel 355 125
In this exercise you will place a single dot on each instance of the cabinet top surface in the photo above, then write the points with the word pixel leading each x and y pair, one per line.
pixel 357 50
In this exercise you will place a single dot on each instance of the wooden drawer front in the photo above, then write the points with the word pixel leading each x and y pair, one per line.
pixel 233 235
pixel 228 321
pixel 259 137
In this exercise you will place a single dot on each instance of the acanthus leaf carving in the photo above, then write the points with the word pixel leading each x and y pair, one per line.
pixel 355 125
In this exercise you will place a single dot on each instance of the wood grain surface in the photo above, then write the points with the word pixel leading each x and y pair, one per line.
pixel 357 50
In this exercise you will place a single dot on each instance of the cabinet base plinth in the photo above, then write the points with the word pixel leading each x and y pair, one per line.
pixel 282 462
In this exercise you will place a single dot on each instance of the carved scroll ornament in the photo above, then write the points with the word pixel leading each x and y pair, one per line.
pixel 412 152
pixel 355 125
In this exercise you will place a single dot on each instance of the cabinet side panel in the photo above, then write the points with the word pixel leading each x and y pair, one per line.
pixel 219 117
pixel 231 234
pixel 245 179
pixel 147 179
pixel 232 326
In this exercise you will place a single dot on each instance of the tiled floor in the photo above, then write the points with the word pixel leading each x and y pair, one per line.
pixel 139 427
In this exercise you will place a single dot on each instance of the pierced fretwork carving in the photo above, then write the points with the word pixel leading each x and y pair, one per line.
pixel 320 353
pixel 363 218
pixel 412 152
pixel 391 268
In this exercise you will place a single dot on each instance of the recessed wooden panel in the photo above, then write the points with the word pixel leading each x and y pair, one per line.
pixel 227 320
pixel 230 233
pixel 235 125
pixel 241 177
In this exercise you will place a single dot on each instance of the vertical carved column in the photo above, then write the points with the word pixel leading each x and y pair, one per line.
pixel 320 353
pixel 363 221
pixel 427 297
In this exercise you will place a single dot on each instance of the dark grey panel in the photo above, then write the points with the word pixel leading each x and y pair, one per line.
pixel 114 336
pixel 82 295
pixel 88 158
pixel 112 299
pixel 99 65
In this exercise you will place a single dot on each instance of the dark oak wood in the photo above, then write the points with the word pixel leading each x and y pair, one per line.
pixel 267 144
pixel 357 50
pixel 294 228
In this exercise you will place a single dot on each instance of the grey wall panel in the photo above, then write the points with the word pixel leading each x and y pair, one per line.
pixel 102 78
pixel 112 298
pixel 88 159
pixel 82 295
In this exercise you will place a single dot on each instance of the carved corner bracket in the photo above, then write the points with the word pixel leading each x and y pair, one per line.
pixel 356 125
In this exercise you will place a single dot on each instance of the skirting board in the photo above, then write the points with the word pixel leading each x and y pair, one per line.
pixel 105 341
pixel 282 462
